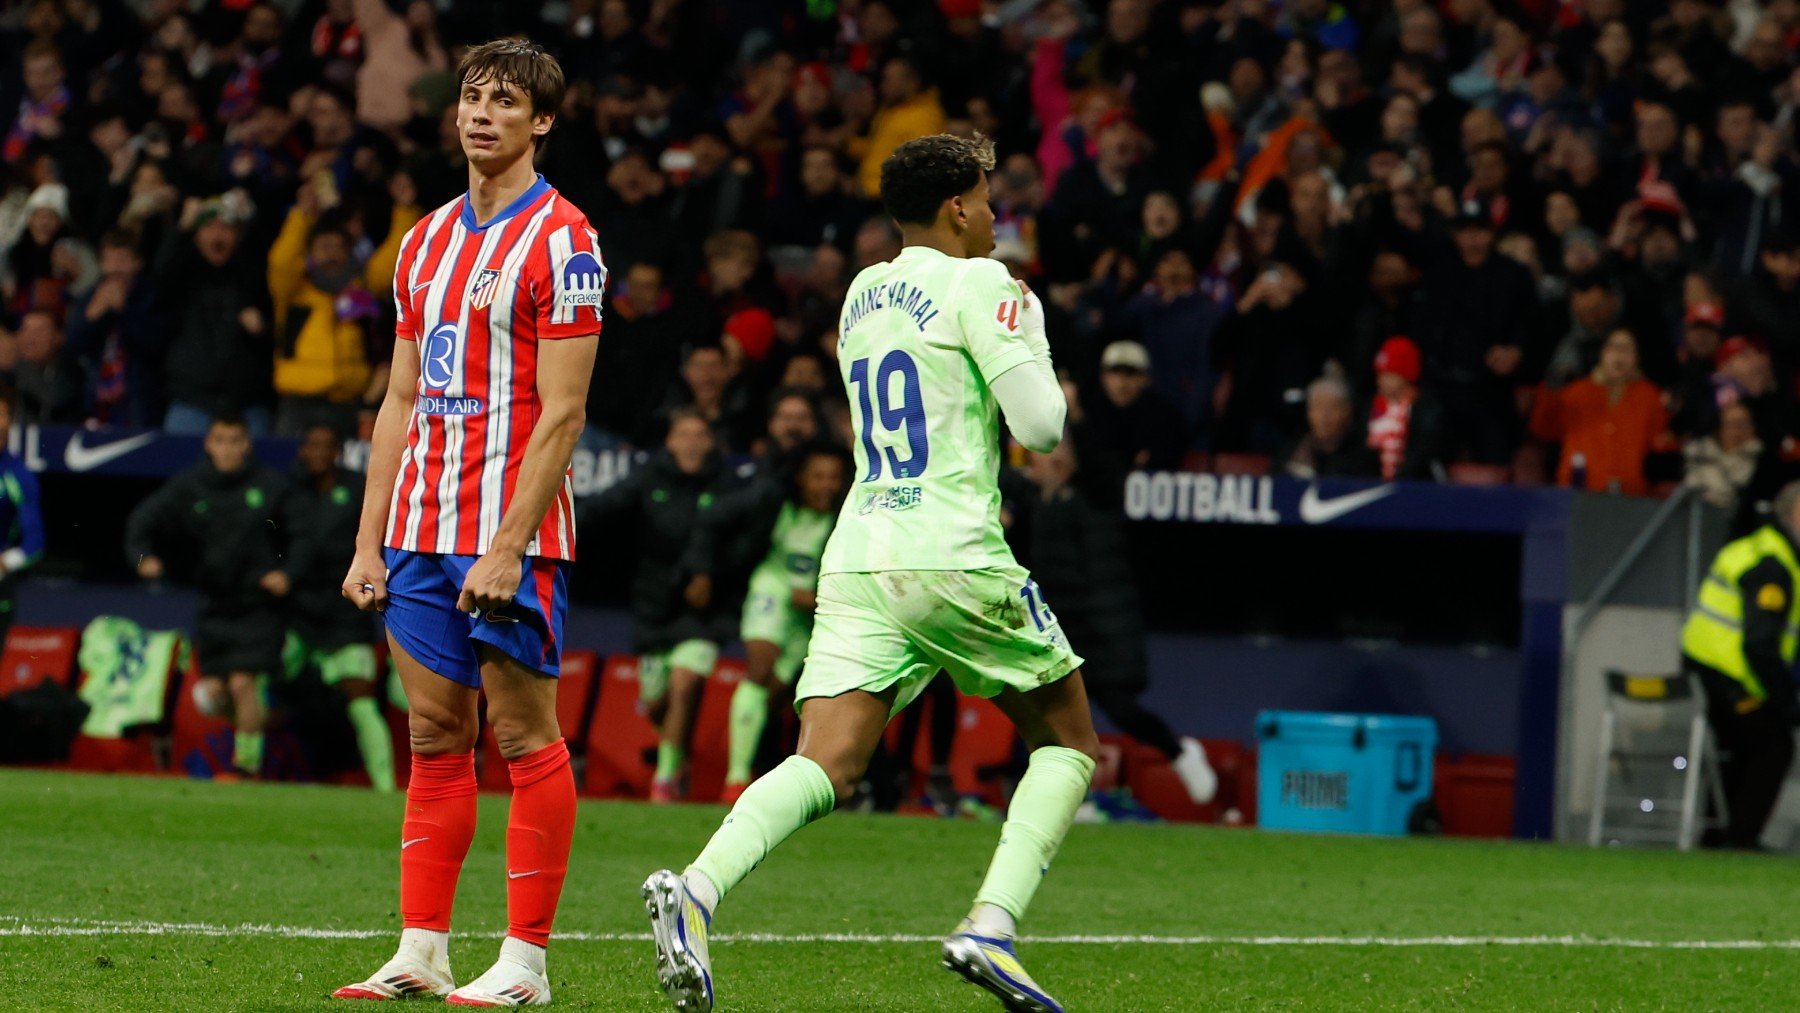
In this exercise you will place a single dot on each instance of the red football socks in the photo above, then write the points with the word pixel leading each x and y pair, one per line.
pixel 434 837
pixel 539 831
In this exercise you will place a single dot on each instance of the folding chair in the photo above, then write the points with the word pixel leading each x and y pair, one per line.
pixel 1655 753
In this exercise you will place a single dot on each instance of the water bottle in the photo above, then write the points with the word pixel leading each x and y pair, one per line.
pixel 1578 471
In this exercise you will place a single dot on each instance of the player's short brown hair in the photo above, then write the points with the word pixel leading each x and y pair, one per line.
pixel 520 63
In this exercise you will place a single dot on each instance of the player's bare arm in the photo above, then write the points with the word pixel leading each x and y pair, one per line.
pixel 366 583
pixel 563 370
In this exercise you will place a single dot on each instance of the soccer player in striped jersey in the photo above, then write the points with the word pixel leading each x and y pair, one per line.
pixel 917 576
pixel 467 529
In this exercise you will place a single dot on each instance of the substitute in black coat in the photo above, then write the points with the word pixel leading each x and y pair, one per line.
pixel 222 514
pixel 1077 554
pixel 320 515
pixel 677 620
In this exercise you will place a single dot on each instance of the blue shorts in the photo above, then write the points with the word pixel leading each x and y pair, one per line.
pixel 423 618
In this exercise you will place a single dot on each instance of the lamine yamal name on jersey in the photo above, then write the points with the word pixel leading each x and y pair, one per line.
pixel 895 295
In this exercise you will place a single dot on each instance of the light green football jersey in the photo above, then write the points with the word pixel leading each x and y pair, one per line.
pixel 795 546
pixel 920 339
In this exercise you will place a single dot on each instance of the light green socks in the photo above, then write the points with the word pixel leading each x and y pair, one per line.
pixel 373 742
pixel 1055 782
pixel 669 758
pixel 749 712
pixel 247 753
pixel 777 804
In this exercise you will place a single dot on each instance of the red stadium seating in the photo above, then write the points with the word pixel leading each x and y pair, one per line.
pixel 200 744
pixel 619 735
pixel 983 745
pixel 711 743
pixel 130 755
pixel 1474 795
pixel 36 654
pixel 1240 464
pixel 1154 783
pixel 1476 473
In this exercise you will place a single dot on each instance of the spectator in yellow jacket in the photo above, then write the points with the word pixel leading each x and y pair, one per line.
pixel 908 109
pixel 325 303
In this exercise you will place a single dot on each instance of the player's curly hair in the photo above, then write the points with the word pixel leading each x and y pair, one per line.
pixel 925 172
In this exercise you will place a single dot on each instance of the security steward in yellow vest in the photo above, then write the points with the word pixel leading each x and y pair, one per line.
pixel 1740 640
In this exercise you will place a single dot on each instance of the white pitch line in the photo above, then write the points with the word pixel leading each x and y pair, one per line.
pixel 13 925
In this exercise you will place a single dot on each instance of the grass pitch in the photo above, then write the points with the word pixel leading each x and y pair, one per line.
pixel 130 894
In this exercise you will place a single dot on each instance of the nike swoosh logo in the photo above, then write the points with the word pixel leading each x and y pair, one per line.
pixel 1314 510
pixel 521 875
pixel 417 840
pixel 420 285
pixel 78 456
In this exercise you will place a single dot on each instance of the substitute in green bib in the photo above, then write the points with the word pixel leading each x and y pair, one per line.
pixel 1740 642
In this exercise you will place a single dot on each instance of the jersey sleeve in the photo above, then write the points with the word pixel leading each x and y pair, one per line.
pixel 990 309
pixel 569 292
pixel 406 318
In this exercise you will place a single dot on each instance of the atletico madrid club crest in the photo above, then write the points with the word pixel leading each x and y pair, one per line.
pixel 485 284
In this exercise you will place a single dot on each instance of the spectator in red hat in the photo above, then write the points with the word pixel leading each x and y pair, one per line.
pixel 1746 375
pixel 748 335
pixel 1404 428
pixel 1608 422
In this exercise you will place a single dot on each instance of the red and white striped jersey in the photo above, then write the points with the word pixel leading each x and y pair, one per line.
pixel 477 299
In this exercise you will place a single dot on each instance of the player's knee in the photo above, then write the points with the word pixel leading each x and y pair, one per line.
pixel 211 698
pixel 518 732
pixel 846 773
pixel 434 729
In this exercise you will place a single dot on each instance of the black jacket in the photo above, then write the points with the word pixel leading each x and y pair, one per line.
pixel 1074 542
pixel 321 528
pixel 222 529
pixel 212 361
pixel 656 508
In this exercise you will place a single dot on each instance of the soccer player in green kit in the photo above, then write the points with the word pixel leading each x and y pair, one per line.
pixel 789 517
pixel 917 576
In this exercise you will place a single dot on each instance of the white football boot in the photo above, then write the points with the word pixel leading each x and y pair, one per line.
pixel 421 967
pixel 516 979
pixel 679 925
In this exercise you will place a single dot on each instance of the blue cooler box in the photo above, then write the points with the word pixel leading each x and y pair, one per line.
pixel 1342 773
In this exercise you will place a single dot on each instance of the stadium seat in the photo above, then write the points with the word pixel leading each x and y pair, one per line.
pixel 1196 461
pixel 979 754
pixel 619 735
pixel 1476 473
pixel 983 744
pixel 134 754
pixel 199 744
pixel 1240 464
pixel 574 701
pixel 1154 782
pixel 36 654
pixel 712 732
pixel 1475 795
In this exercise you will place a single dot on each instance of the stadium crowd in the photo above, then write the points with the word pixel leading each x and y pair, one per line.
pixel 1394 240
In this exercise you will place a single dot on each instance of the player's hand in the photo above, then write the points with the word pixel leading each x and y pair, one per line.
pixel 492 582
pixel 699 591
pixel 276 583
pixel 150 568
pixel 804 600
pixel 365 586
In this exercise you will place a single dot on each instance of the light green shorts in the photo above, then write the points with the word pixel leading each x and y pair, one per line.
pixel 770 615
pixel 351 661
pixel 653 669
pixel 990 629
